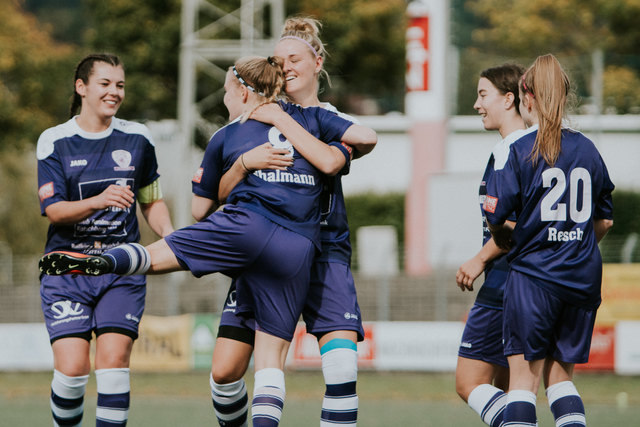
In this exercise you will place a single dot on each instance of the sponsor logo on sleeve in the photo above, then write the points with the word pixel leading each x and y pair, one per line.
pixel 490 204
pixel 46 191
pixel 197 177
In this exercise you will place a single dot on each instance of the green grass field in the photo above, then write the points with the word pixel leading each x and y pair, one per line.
pixel 386 399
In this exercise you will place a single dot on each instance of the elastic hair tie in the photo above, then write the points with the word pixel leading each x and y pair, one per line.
pixel 251 88
pixel 315 52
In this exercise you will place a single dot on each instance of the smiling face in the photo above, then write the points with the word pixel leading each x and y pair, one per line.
pixel 491 104
pixel 301 68
pixel 103 93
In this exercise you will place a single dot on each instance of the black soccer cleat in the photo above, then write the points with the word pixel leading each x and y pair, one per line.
pixel 59 263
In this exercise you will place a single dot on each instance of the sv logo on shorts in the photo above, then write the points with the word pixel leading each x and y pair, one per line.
pixel 231 299
pixel 63 309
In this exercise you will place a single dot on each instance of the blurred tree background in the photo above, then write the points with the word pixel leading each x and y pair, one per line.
pixel 42 40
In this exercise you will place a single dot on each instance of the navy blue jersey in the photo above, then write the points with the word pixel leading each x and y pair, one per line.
pixel 334 227
pixel 75 165
pixel 554 239
pixel 495 272
pixel 289 198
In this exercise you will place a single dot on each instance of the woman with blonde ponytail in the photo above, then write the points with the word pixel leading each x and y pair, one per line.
pixel 267 234
pixel 557 183
pixel 331 312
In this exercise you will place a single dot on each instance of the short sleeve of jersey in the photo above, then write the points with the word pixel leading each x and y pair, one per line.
pixel 604 203
pixel 503 193
pixel 332 126
pixel 52 186
pixel 206 180
pixel 150 171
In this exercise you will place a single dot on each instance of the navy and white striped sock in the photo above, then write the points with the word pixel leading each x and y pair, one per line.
pixel 566 405
pixel 268 397
pixel 230 402
pixel 521 409
pixel 489 402
pixel 113 397
pixel 129 259
pixel 340 370
pixel 67 399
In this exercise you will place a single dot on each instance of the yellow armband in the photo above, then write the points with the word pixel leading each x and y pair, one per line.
pixel 150 193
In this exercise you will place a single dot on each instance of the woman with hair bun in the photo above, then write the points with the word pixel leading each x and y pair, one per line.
pixel 331 311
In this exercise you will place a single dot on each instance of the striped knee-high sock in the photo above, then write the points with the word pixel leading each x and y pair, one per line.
pixel 129 259
pixel 521 409
pixel 489 402
pixel 113 397
pixel 268 397
pixel 340 370
pixel 67 399
pixel 566 405
pixel 230 403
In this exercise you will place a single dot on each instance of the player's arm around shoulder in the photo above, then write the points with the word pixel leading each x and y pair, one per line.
pixel 328 160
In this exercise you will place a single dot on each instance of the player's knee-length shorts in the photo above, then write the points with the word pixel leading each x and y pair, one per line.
pixel 76 305
pixel 482 336
pixel 270 263
pixel 332 303
pixel 539 324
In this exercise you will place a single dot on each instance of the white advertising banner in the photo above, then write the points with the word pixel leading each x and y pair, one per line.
pixel 420 346
pixel 25 347
pixel 627 353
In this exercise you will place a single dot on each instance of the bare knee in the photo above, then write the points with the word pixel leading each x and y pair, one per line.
pixel 113 350
pixel 463 388
pixel 226 373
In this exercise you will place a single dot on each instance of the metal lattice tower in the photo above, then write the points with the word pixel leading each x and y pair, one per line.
pixel 204 54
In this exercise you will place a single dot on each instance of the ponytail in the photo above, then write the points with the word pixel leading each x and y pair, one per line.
pixel 548 85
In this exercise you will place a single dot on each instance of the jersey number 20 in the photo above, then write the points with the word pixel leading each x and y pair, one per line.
pixel 559 213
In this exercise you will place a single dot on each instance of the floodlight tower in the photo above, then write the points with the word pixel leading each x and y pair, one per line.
pixel 204 55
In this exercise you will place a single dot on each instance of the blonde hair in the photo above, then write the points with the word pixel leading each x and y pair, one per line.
pixel 549 86
pixel 307 29
pixel 261 75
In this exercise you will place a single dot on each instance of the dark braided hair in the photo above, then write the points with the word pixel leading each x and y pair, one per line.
pixel 84 69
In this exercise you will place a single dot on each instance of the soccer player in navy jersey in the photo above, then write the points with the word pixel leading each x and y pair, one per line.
pixel 266 237
pixel 92 172
pixel 331 311
pixel 558 185
pixel 482 372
